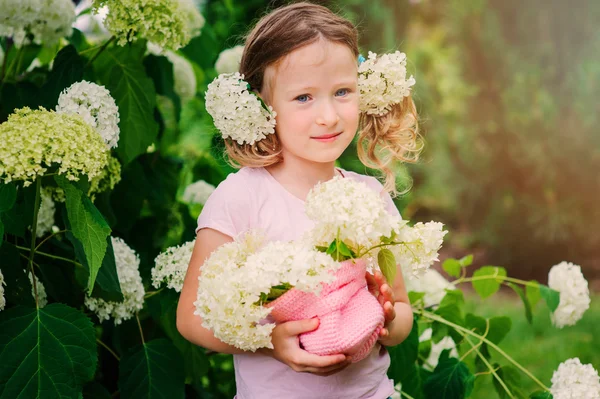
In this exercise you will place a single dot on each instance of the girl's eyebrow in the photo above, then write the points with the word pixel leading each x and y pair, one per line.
pixel 349 83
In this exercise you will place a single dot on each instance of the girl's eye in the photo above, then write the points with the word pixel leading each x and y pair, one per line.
pixel 343 91
pixel 302 98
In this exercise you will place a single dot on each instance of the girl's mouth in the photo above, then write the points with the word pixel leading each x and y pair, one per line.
pixel 326 138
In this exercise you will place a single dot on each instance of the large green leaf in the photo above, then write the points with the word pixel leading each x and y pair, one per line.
pixel 403 367
pixel 451 379
pixel 67 69
pixel 452 267
pixel 152 370
pixel 45 353
pixel 552 297
pixel 122 72
pixel 88 227
pixel 8 196
pixel 491 285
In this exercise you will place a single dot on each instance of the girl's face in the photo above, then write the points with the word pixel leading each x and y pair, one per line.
pixel 314 92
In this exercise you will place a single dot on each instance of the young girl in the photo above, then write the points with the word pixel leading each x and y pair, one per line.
pixel 302 61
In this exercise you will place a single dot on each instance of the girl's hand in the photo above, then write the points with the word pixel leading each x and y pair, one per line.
pixel 379 287
pixel 286 349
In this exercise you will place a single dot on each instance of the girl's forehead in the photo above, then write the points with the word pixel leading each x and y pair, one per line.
pixel 319 60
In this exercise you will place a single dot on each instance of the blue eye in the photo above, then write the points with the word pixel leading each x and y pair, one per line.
pixel 346 91
pixel 303 96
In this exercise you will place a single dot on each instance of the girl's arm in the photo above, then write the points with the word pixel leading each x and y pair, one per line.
pixel 189 324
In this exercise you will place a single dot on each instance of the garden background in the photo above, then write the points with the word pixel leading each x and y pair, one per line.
pixel 508 96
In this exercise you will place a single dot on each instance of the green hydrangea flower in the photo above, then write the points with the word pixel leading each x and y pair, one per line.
pixel 167 23
pixel 31 141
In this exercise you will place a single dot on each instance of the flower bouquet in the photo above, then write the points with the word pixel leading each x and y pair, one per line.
pixel 320 275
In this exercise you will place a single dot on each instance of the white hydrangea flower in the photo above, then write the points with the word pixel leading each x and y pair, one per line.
pixel 198 192
pixel 574 380
pixel 229 60
pixel 193 18
pixel 567 279
pixel 2 284
pixel 436 349
pixel 128 263
pixel 234 276
pixel 45 20
pixel 171 266
pixel 41 290
pixel 352 207
pixel 382 82
pixel 45 219
pixel 432 284
pixel 422 244
pixel 95 105
pixel 236 112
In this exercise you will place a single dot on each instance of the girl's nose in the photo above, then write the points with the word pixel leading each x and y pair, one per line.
pixel 328 115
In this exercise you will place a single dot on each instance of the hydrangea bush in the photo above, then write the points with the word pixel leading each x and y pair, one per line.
pixel 96 235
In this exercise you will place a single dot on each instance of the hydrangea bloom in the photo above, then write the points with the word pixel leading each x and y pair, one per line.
pixel 45 20
pixel 352 207
pixel 2 284
pixel 237 112
pixel 45 219
pixel 233 278
pixel 168 23
pixel 198 192
pixel 95 105
pixel 41 290
pixel 171 266
pixel 128 263
pixel 65 140
pixel 567 279
pixel 432 284
pixel 382 82
pixel 574 380
pixel 436 349
pixel 229 60
pixel 422 243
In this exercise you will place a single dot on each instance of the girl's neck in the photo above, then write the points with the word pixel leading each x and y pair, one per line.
pixel 299 177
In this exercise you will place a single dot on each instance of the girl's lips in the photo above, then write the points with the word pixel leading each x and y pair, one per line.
pixel 327 137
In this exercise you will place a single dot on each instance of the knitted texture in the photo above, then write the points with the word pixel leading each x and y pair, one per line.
pixel 350 316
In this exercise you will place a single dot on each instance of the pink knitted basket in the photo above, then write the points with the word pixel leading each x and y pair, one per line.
pixel 350 316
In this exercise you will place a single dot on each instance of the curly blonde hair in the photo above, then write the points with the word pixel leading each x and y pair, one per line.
pixel 382 140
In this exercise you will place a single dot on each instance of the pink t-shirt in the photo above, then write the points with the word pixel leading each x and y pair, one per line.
pixel 252 198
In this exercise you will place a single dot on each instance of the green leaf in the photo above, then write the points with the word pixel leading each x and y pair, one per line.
pixel 88 227
pixel 541 395
pixel 451 309
pixel 466 261
pixel 533 293
pixel 121 70
pixel 499 327
pixel 452 267
pixel 107 284
pixel 512 378
pixel 552 297
pixel 152 370
pixel 321 248
pixel 490 286
pixel 519 291
pixel 387 265
pixel 403 367
pixel 48 352
pixel 415 297
pixel 160 70
pixel 344 250
pixel 67 69
pixel 451 379
pixel 8 196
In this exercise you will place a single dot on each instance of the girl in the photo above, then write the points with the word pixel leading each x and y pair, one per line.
pixel 302 61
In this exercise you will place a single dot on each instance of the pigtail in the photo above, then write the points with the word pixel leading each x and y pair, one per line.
pixel 389 138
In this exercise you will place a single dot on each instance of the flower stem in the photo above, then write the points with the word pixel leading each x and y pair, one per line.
pixel 52 256
pixel 407 396
pixel 140 327
pixel 440 319
pixel 488 365
pixel 152 293
pixel 49 237
pixel 104 46
pixel 503 278
pixel 36 209
pixel 108 349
